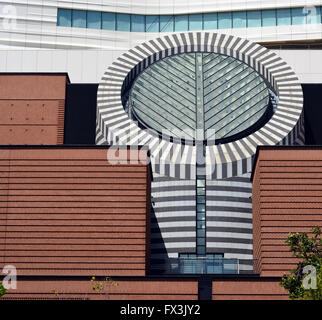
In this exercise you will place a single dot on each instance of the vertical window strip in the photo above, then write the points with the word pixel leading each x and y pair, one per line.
pixel 201 215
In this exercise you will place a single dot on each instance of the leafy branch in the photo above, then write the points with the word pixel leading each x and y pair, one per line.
pixel 308 250
pixel 3 290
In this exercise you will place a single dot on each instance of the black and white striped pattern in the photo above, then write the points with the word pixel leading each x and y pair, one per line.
pixel 229 219
pixel 228 226
pixel 173 221
pixel 223 161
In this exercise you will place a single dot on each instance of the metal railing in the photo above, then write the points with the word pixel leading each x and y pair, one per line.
pixel 203 266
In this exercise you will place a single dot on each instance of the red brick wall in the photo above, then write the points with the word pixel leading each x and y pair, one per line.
pixel 126 290
pixel 67 211
pixel 259 289
pixel 32 108
pixel 287 190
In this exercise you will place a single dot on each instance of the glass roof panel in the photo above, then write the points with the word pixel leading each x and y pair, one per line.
pixel 183 92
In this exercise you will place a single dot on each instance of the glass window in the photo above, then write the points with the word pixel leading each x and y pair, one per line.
pixel 152 23
pixel 79 18
pixel 64 17
pixel 201 208
pixel 166 24
pixel 201 183
pixel 201 216
pixel 123 22
pixel 268 18
pixel 298 16
pixel 313 15
pixel 108 21
pixel 254 19
pixel 201 250
pixel 137 23
pixel 210 21
pixel 283 17
pixel 201 199
pixel 201 191
pixel 224 20
pixel 195 22
pixel 201 225
pixel 181 23
pixel 93 20
pixel 201 241
pixel 239 19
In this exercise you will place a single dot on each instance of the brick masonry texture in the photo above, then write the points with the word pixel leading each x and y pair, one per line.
pixel 287 190
pixel 32 108
pixel 68 211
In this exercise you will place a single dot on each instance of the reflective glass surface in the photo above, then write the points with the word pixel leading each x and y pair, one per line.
pixel 168 95
pixel 268 18
pixel 254 19
pixel 79 18
pixel 123 22
pixel 166 23
pixel 93 20
pixel 239 19
pixel 313 15
pixel 181 23
pixel 64 17
pixel 283 17
pixel 108 21
pixel 152 23
pixel 191 22
pixel 137 23
pixel 195 22
pixel 224 20
pixel 210 21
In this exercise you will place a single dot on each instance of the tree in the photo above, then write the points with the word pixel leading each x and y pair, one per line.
pixel 3 290
pixel 308 250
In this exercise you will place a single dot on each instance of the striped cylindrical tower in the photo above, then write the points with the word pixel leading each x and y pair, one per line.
pixel 202 102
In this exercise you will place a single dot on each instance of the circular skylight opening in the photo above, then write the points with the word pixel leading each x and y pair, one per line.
pixel 204 96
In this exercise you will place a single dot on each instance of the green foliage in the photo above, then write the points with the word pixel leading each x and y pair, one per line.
pixel 101 287
pixel 3 290
pixel 308 250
